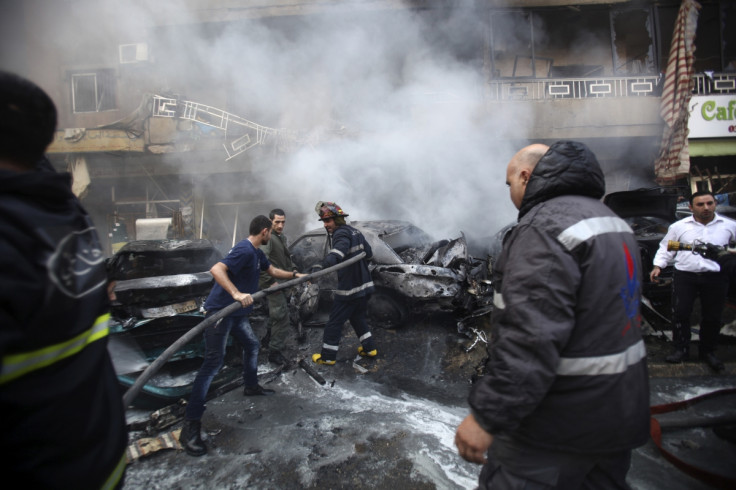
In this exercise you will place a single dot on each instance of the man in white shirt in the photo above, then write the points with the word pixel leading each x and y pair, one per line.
pixel 696 277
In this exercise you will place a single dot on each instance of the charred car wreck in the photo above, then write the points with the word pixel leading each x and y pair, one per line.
pixel 160 288
pixel 412 273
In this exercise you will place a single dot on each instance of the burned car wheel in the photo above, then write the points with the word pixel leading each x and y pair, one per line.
pixel 386 311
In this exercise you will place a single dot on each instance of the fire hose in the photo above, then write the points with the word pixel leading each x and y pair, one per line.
pixel 707 250
pixel 154 367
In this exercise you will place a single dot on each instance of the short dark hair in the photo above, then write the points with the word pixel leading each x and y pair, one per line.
pixel 27 120
pixel 258 224
pixel 276 211
pixel 701 193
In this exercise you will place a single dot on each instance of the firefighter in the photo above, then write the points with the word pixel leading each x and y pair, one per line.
pixel 354 284
pixel 566 397
pixel 63 420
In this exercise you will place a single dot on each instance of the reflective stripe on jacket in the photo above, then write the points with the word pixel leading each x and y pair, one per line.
pixel 17 365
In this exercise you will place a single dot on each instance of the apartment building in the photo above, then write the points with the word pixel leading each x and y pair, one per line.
pixel 203 113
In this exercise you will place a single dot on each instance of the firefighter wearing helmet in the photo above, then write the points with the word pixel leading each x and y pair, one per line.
pixel 330 210
pixel 354 284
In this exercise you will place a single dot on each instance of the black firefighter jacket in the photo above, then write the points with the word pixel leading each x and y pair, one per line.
pixel 63 422
pixel 353 281
pixel 567 368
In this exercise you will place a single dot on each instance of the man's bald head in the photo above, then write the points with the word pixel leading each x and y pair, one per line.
pixel 520 169
pixel 529 156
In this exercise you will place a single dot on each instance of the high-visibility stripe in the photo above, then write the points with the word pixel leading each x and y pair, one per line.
pixel 602 365
pixel 365 336
pixel 348 292
pixel 336 252
pixel 117 474
pixel 588 228
pixel 355 249
pixel 330 347
pixel 17 365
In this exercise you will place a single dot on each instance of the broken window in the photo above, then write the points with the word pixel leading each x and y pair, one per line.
pixel 511 45
pixel 572 42
pixel 633 42
pixel 715 39
pixel 576 42
pixel 93 91
pixel 728 28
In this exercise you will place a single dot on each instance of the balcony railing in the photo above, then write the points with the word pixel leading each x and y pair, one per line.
pixel 587 88
pixel 714 84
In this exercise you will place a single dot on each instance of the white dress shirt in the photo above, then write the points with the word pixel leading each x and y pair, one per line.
pixel 719 231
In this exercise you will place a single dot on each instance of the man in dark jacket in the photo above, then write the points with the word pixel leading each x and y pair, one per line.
pixel 566 397
pixel 354 284
pixel 63 420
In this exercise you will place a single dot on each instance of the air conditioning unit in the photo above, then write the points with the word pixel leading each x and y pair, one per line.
pixel 133 53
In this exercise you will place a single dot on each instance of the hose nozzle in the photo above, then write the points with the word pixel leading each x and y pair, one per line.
pixel 675 246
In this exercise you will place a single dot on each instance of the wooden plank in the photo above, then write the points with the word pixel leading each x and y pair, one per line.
pixel 95 140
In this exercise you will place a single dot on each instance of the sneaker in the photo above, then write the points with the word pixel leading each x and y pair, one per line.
pixel 318 359
pixel 713 362
pixel 257 390
pixel 677 356
pixel 370 353
pixel 276 357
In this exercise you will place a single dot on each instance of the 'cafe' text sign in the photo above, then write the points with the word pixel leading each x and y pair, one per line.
pixel 712 116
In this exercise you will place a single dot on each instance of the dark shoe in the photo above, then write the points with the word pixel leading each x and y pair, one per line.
pixel 677 357
pixel 191 439
pixel 713 362
pixel 276 357
pixel 257 390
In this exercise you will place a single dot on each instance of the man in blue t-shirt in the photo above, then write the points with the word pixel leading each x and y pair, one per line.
pixel 236 277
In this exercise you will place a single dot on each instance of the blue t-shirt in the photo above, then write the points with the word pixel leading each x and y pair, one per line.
pixel 244 264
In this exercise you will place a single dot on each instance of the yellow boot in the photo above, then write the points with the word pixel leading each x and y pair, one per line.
pixel 370 353
pixel 318 359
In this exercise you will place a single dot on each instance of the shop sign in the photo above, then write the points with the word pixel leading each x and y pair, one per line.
pixel 712 116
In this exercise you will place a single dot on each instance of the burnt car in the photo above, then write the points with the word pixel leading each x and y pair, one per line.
pixel 412 273
pixel 649 212
pixel 160 286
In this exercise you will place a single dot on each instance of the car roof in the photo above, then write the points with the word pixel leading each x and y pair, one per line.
pixel 385 237
pixel 656 201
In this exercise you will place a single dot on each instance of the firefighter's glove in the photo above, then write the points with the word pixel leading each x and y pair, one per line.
pixel 731 248
pixel 713 252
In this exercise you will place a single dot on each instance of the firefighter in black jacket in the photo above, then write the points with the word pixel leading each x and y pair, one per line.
pixel 63 420
pixel 354 284
pixel 566 397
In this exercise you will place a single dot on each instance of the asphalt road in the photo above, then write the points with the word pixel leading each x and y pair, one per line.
pixel 390 422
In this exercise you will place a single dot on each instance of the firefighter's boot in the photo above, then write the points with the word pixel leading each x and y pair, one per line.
pixel 319 360
pixel 367 353
pixel 191 439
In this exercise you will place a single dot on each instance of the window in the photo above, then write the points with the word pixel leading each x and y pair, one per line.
pixel 93 91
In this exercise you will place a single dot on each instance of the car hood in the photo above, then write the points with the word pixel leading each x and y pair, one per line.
pixel 658 202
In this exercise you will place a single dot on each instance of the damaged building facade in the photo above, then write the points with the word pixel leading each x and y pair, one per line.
pixel 154 131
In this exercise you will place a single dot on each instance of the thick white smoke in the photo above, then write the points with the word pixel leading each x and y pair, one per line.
pixel 391 101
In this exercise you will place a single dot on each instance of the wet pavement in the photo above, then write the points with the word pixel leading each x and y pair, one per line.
pixel 390 422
